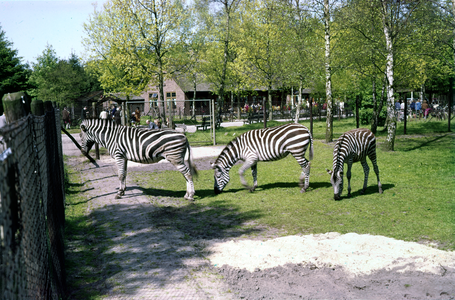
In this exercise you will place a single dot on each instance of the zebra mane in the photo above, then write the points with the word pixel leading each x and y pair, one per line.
pixel 338 153
pixel 226 153
pixel 97 122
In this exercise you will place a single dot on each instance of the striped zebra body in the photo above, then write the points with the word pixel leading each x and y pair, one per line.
pixel 139 145
pixel 353 146
pixel 267 144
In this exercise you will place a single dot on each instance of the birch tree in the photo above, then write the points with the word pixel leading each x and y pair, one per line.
pixel 395 16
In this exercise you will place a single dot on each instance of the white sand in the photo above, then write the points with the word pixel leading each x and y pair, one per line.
pixel 358 254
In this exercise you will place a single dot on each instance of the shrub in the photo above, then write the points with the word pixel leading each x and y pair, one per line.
pixel 366 116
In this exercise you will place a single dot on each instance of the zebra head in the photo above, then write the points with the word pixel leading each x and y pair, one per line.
pixel 336 178
pixel 86 141
pixel 221 178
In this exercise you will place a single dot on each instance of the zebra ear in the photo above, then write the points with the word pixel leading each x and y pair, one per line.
pixel 329 171
pixel 212 165
pixel 83 128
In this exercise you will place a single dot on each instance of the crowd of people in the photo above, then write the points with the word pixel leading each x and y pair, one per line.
pixel 416 109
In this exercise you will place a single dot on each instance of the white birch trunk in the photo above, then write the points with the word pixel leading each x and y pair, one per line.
pixel 328 75
pixel 392 122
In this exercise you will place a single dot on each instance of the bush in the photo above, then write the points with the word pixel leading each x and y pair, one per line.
pixel 366 116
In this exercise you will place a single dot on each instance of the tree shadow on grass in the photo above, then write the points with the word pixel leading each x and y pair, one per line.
pixel 423 142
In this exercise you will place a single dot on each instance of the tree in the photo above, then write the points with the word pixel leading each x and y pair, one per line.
pixel 13 74
pixel 263 51
pixel 59 80
pixel 302 55
pixel 133 43
pixel 220 18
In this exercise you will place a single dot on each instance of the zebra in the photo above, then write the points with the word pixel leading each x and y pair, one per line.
pixel 139 145
pixel 351 147
pixel 268 144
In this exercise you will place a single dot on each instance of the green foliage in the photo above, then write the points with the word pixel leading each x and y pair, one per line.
pixel 13 74
pixel 366 116
pixel 59 80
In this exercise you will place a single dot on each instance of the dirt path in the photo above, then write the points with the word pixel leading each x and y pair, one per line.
pixel 136 259
pixel 155 247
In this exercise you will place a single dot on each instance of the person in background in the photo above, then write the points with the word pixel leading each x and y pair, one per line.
pixel 418 107
pixel 152 125
pixel 398 109
pixel 66 118
pixel 104 115
pixel 425 108
pixel 118 116
pixel 133 119
pixel 413 108
pixel 138 116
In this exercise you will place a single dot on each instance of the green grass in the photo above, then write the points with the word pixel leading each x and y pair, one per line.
pixel 82 260
pixel 418 203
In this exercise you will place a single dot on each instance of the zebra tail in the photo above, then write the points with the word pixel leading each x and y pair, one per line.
pixel 191 164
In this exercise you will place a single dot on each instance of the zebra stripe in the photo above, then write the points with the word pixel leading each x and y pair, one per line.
pixel 139 145
pixel 267 144
pixel 351 147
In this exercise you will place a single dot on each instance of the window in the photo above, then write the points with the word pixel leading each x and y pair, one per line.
pixel 171 99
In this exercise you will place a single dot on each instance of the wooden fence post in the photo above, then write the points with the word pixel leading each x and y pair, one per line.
pixel 37 107
pixel 15 106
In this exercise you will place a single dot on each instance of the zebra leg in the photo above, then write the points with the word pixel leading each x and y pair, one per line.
pixel 179 164
pixel 376 170
pixel 348 176
pixel 189 186
pixel 305 176
pixel 246 165
pixel 366 170
pixel 254 172
pixel 122 172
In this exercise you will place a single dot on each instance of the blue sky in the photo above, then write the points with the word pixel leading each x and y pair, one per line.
pixel 31 25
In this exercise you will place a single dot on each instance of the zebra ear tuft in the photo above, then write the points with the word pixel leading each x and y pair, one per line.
pixel 83 128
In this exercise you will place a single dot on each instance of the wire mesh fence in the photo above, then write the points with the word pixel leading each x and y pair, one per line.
pixel 32 209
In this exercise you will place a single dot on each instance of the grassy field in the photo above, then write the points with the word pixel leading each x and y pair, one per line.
pixel 418 178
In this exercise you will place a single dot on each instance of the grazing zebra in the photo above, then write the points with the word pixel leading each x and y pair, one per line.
pixel 267 144
pixel 139 145
pixel 351 147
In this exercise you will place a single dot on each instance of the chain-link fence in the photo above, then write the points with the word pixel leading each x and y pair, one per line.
pixel 32 209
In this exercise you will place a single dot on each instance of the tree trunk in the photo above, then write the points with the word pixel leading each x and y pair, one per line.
pixel 269 94
pixel 328 75
pixel 374 121
pixel 392 122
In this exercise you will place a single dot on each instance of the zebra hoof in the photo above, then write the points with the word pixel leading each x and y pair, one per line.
pixel 302 191
pixel 189 198
pixel 118 196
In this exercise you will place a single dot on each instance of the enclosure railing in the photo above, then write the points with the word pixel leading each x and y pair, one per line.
pixel 32 209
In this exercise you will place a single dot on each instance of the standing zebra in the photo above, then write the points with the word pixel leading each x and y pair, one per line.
pixel 139 145
pixel 267 144
pixel 351 147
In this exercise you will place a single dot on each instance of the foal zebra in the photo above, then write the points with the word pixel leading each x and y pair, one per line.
pixel 267 144
pixel 139 145
pixel 351 147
